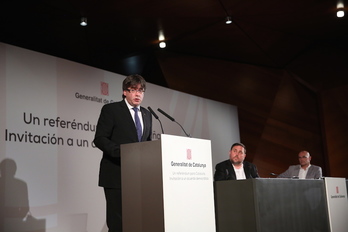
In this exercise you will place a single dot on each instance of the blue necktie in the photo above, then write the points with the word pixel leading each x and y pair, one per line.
pixel 137 123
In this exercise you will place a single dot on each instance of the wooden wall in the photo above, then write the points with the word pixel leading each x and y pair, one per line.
pixel 278 116
pixel 334 103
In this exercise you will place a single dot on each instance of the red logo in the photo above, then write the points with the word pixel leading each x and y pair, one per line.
pixel 188 154
pixel 104 88
pixel 337 190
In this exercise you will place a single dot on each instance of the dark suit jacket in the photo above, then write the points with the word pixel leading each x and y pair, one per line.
pixel 115 127
pixel 225 171
pixel 314 172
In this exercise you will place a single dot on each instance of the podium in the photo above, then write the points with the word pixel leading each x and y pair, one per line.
pixel 167 185
pixel 336 198
pixel 271 205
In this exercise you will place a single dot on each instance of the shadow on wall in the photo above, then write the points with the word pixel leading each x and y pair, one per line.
pixel 15 213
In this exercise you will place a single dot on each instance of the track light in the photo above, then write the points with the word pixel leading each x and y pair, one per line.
pixel 228 20
pixel 340 12
pixel 340 9
pixel 161 38
pixel 162 44
pixel 83 21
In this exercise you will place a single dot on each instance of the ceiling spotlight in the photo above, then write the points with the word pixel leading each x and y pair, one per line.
pixel 228 20
pixel 340 12
pixel 161 35
pixel 162 44
pixel 83 21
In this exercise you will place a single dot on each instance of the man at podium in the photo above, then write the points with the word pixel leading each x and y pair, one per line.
pixel 120 123
pixel 236 168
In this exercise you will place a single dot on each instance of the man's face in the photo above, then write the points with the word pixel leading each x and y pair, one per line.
pixel 134 95
pixel 304 158
pixel 237 154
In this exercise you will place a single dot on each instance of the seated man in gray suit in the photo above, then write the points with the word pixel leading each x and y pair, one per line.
pixel 303 171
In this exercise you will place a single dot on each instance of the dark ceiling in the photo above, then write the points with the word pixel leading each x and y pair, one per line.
pixel 301 36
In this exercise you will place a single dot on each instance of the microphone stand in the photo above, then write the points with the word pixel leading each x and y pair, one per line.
pixel 172 119
pixel 155 115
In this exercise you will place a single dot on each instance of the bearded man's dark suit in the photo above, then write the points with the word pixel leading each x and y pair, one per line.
pixel 115 127
pixel 225 171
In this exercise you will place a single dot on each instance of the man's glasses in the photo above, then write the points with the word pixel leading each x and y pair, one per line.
pixel 141 91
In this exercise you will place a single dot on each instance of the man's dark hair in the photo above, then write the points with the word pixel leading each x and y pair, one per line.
pixel 239 144
pixel 132 81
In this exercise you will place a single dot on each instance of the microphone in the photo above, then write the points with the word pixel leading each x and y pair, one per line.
pixel 172 119
pixel 156 117
pixel 165 114
pixel 152 112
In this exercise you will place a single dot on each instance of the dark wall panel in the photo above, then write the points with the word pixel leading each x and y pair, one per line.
pixel 335 124
pixel 278 115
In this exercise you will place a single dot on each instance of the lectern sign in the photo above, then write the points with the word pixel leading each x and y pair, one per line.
pixel 167 185
pixel 336 195
pixel 188 184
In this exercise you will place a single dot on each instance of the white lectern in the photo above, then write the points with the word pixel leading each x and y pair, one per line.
pixel 337 203
pixel 167 185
